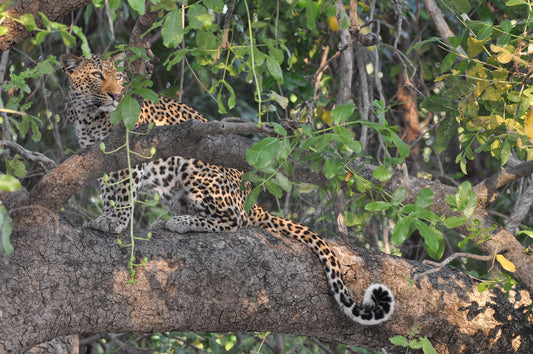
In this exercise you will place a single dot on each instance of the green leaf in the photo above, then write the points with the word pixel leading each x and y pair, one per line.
pixel 68 39
pixel 6 228
pixel 9 183
pixel 425 214
pixel 447 62
pixel 402 230
pixel 398 196
pixel 198 17
pixel 466 199
pixel 377 206
pixel 515 2
pixel 215 5
pixel 138 5
pixel 342 112
pixel 3 30
pixel 28 21
pixel 454 221
pixel 424 42
pixel 429 234
pixel 332 167
pixel 147 94
pixel 283 182
pixel 114 117
pixel 461 6
pixel 447 129
pixel 273 189
pixel 427 347
pixel 525 232
pixel 275 69
pixel 40 37
pixel 172 32
pixel 86 50
pixel 251 198
pixel 311 14
pixel 263 153
pixel 399 340
pixel 424 198
pixel 36 132
pixel 382 174
pixel 403 148
pixel 129 111
pixel 231 99
pixel 281 100
pixel 279 129
pixel 505 152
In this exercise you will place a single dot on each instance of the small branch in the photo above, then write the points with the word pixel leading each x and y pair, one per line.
pixel 225 43
pixel 27 154
pixel 442 26
pixel 142 25
pixel 440 265
pixel 486 189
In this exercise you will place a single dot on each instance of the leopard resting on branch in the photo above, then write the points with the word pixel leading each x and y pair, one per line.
pixel 203 197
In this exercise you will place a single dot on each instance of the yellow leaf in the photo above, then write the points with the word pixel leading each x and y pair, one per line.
pixel 505 55
pixel 326 118
pixel 528 124
pixel 333 23
pixel 474 46
pixel 505 263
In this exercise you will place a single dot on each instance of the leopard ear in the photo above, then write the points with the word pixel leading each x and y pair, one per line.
pixel 70 62
pixel 119 59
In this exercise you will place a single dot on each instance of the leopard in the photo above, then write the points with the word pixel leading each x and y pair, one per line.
pixel 202 197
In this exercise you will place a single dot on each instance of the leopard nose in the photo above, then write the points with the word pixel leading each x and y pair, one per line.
pixel 115 96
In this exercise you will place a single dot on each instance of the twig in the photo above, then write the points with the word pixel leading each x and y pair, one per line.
pixel 199 81
pixel 333 57
pixel 27 154
pixel 439 265
pixel 225 44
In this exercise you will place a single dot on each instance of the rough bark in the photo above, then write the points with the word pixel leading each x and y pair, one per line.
pixel 62 280
pixel 53 9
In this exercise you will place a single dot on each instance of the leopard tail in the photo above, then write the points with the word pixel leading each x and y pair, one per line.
pixel 378 301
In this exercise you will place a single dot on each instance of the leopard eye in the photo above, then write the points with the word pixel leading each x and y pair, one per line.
pixel 97 75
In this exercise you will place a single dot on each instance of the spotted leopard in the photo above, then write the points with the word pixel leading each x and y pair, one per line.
pixel 203 197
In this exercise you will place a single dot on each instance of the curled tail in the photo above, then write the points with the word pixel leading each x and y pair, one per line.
pixel 378 301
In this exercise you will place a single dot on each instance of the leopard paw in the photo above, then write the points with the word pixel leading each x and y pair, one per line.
pixel 178 224
pixel 107 224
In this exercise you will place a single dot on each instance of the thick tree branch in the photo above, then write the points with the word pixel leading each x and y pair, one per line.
pixel 52 9
pixel 63 280
pixel 225 149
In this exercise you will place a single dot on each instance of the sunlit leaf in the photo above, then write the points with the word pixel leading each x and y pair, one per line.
pixel 505 263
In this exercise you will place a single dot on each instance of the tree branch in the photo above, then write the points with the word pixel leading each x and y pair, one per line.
pixel 63 280
pixel 53 9
pixel 225 149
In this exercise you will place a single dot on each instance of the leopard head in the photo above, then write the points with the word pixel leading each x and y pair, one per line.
pixel 95 84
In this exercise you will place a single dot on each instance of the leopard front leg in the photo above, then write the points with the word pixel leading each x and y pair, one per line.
pixel 116 196
pixel 191 223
